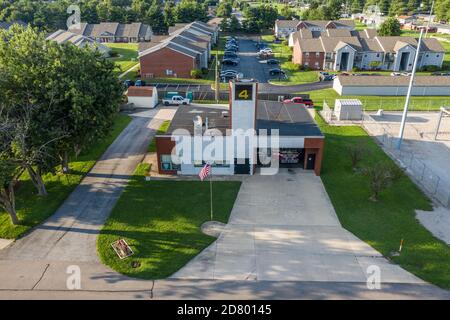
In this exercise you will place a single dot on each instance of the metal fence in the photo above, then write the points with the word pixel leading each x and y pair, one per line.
pixel 428 180
pixel 207 95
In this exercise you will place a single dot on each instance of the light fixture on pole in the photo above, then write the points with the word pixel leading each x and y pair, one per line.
pixel 408 95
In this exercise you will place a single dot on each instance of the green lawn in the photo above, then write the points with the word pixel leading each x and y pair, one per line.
pixel 161 222
pixel 283 53
pixel 384 223
pixel 373 103
pixel 32 209
pixel 128 53
pixel 162 129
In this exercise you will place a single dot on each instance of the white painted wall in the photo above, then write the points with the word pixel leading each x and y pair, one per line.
pixel 390 91
pixel 351 57
pixel 145 102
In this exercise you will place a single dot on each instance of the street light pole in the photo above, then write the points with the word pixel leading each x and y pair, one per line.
pixel 408 95
pixel 217 77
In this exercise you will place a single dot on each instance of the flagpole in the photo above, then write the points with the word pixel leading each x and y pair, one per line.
pixel 210 192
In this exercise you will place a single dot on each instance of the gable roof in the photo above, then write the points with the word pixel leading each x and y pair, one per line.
pixel 311 45
pixel 330 43
pixel 145 91
pixel 287 23
pixel 324 24
pixel 111 29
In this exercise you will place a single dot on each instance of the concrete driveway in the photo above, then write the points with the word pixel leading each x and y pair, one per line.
pixel 284 228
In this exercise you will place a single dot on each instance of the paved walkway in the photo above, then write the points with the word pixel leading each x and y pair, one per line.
pixel 284 228
pixel 71 233
pixel 36 266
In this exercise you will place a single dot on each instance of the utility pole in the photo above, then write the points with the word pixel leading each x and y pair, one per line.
pixel 217 84
pixel 408 95
pixel 429 18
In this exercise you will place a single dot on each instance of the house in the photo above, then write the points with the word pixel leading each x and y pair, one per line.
pixel 143 97
pixel 284 28
pixel 114 32
pixel 323 25
pixel 308 34
pixel 391 85
pixel 406 19
pixel 62 36
pixel 187 47
pixel 365 52
pixel 198 28
pixel 244 132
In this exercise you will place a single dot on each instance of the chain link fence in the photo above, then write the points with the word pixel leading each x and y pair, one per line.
pixel 428 180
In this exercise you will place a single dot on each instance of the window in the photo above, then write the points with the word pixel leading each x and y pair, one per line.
pixel 167 164
pixel 306 63
pixel 437 56
pixel 378 55
pixel 317 54
pixel 307 54
pixel 316 64
pixel 427 55
pixel 169 72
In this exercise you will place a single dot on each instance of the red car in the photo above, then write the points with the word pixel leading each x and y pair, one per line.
pixel 306 102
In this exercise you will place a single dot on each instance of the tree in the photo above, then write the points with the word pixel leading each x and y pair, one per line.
pixel 225 9
pixel 73 96
pixel 390 27
pixel 398 7
pixel 443 10
pixel 381 176
pixel 234 24
pixel 140 8
pixel 356 152
pixel 168 13
pixel 155 18
pixel 189 10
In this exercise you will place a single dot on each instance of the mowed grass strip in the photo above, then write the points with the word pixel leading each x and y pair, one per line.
pixel 162 129
pixel 387 103
pixel 127 55
pixel 32 209
pixel 384 223
pixel 161 222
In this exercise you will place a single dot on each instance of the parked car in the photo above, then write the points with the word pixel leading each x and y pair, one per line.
pixel 227 77
pixel 300 100
pixel 325 76
pixel 224 72
pixel 176 100
pixel 273 61
pixel 230 62
pixel 277 72
pixel 265 50
pixel 140 83
pixel 231 47
pixel 231 55
pixel 128 83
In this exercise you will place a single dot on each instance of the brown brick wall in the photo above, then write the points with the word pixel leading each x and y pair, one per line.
pixel 164 146
pixel 158 62
pixel 301 58
pixel 315 145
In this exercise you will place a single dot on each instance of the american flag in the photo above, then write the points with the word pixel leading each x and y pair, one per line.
pixel 206 170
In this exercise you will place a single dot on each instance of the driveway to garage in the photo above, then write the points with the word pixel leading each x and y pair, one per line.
pixel 284 228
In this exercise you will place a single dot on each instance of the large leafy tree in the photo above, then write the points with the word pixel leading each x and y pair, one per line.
pixel 71 96
pixel 390 27
pixel 190 10
pixel 155 18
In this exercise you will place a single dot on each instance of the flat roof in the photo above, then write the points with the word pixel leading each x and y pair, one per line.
pixel 289 118
pixel 218 118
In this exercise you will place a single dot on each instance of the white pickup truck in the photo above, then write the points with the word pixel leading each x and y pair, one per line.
pixel 175 100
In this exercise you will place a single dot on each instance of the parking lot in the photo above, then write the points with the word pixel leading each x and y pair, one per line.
pixel 249 65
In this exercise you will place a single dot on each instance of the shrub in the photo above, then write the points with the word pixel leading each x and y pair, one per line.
pixel 291 66
pixel 205 71
pixel 430 68
pixel 113 54
pixel 196 73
